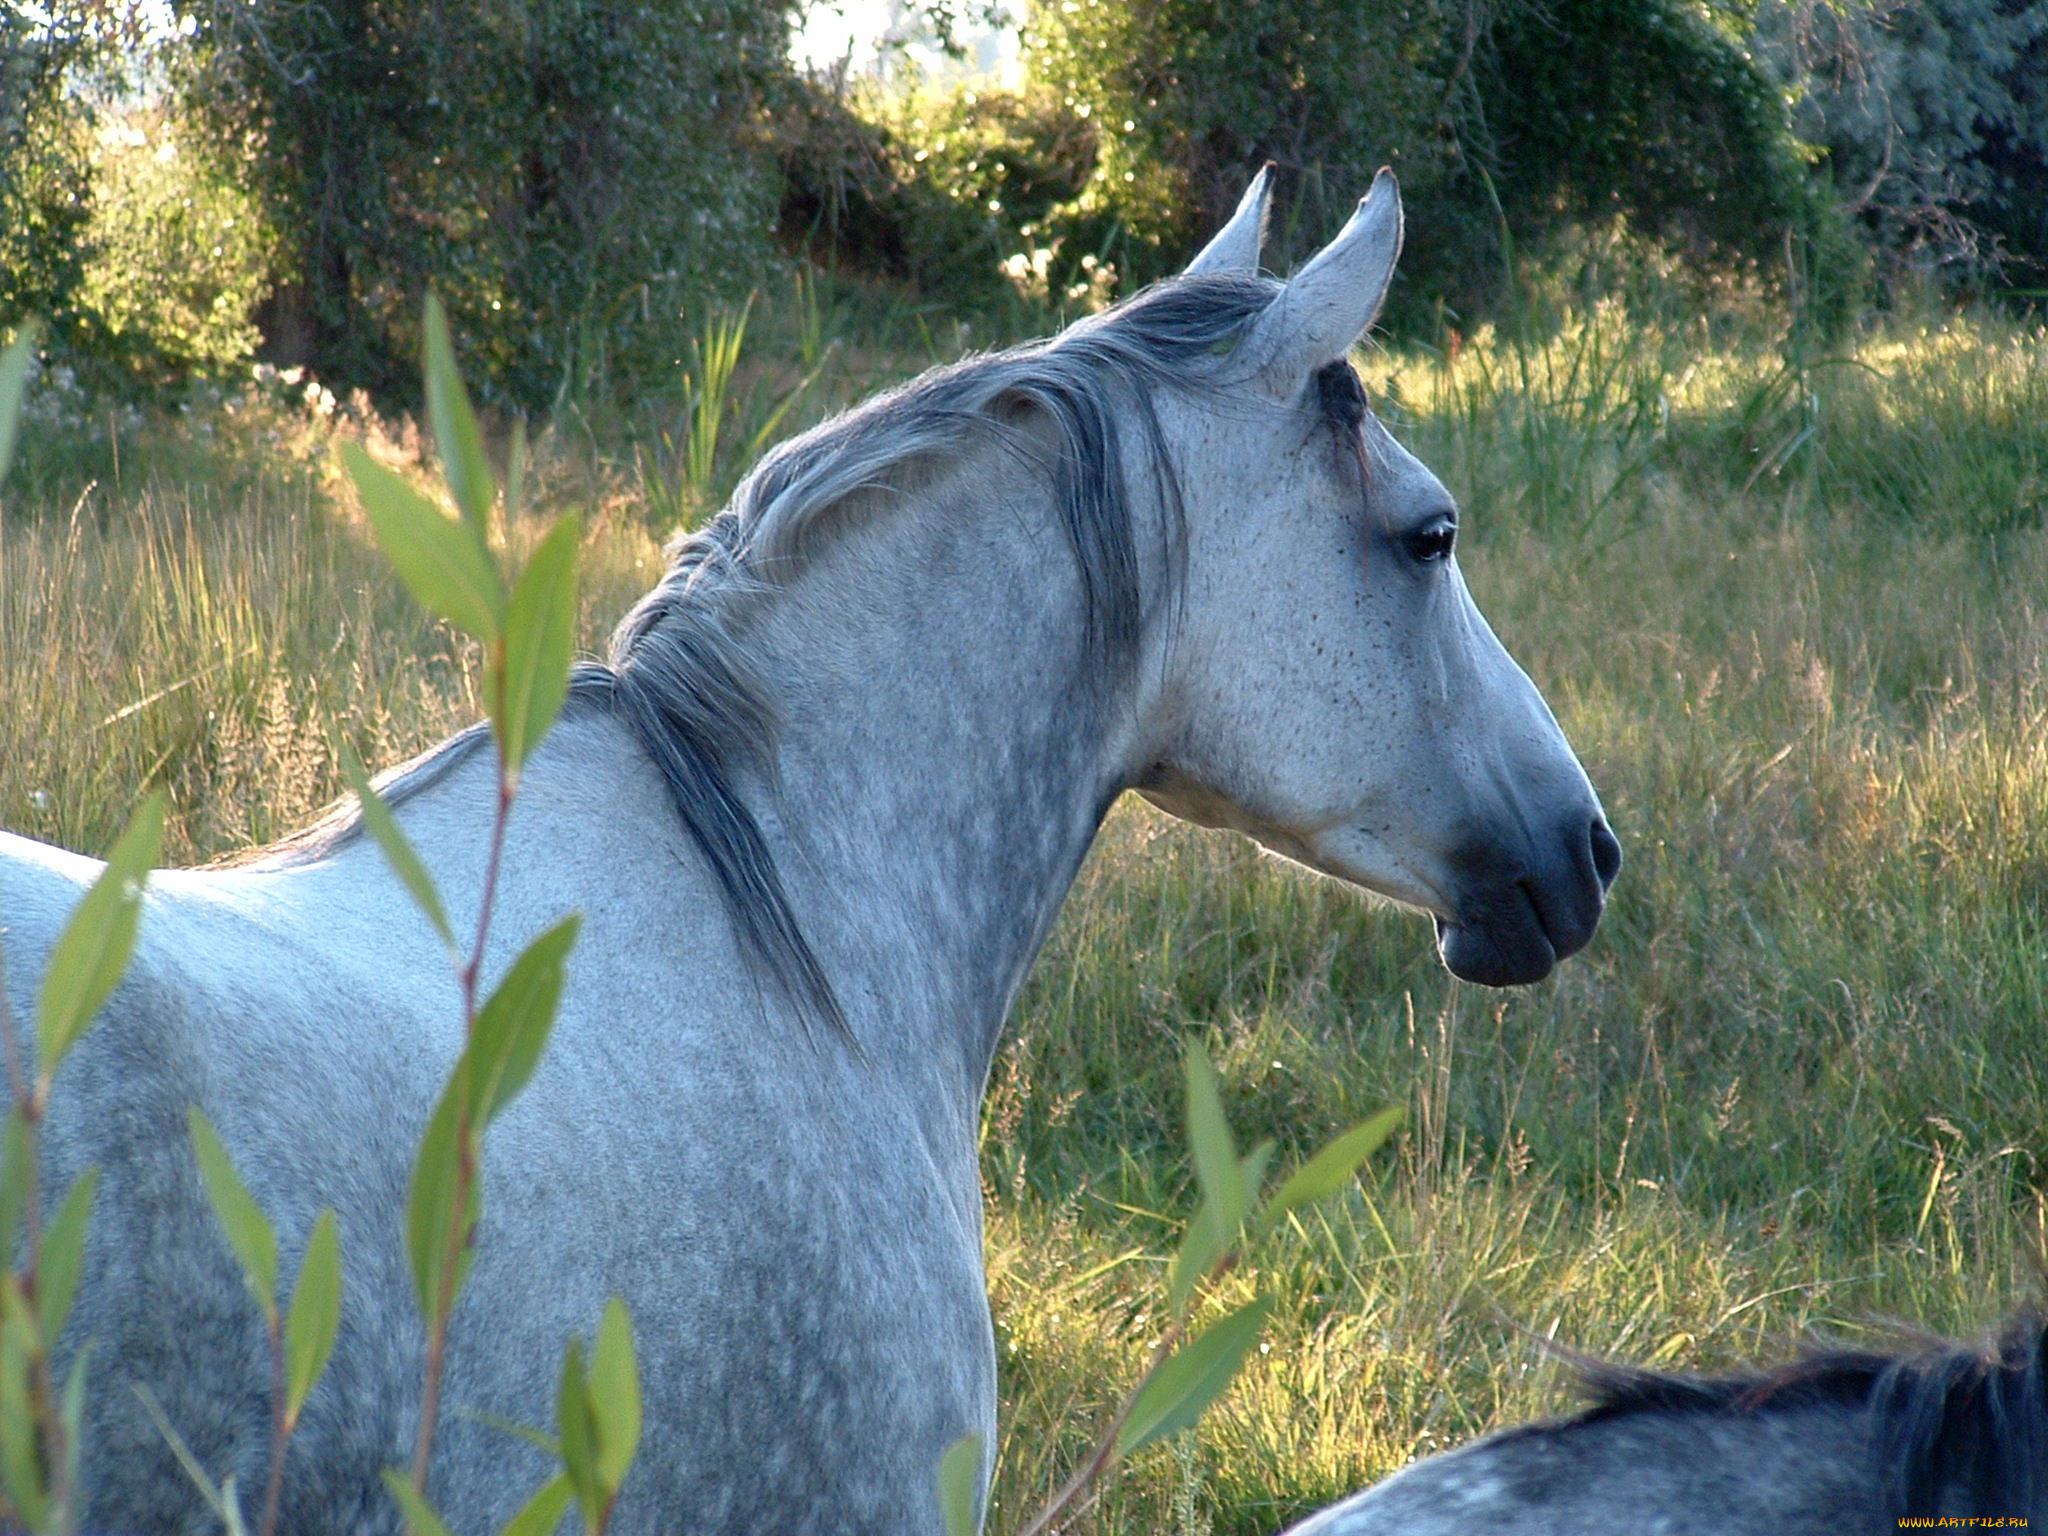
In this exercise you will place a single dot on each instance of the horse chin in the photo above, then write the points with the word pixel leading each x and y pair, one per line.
pixel 1504 955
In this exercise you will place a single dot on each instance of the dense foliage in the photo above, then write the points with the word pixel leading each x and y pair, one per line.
pixel 1189 98
pixel 180 259
pixel 45 151
pixel 570 175
pixel 1505 120
pixel 933 187
pixel 581 179
pixel 1935 121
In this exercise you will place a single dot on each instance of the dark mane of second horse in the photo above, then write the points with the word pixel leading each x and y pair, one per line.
pixel 1958 1430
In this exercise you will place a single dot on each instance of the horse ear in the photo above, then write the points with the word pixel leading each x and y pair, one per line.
pixel 1329 303
pixel 1236 246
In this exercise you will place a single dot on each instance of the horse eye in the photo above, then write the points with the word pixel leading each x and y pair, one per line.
pixel 1433 542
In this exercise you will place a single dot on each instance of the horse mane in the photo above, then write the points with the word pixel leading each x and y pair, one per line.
pixel 680 679
pixel 1958 1428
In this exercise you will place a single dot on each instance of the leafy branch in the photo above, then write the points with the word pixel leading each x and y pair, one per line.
pixel 1181 1380
pixel 527 627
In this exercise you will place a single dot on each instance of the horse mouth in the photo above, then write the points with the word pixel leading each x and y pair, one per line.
pixel 1510 940
pixel 1512 927
pixel 1494 957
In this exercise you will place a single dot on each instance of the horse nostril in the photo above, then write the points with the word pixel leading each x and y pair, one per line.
pixel 1606 852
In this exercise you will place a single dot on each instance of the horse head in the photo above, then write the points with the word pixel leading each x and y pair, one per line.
pixel 1330 688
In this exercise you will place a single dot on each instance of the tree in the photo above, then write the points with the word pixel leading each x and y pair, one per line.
pixel 1934 118
pixel 566 174
pixel 1513 117
pixel 47 58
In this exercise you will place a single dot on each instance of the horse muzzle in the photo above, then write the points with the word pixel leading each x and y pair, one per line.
pixel 1513 924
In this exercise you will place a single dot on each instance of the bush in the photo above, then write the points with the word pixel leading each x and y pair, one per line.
pixel 177 259
pixel 571 176
pixel 1934 119
pixel 947 189
pixel 1189 99
pixel 1598 106
pixel 45 167
pixel 1507 123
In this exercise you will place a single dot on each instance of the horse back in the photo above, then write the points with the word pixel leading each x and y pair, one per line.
pixel 238 1002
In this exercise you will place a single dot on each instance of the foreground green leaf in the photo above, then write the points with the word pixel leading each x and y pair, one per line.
pixel 21 1462
pixel 615 1396
pixel 397 848
pixel 430 1213
pixel 960 1485
pixel 1252 1171
pixel 578 1424
pixel 542 1514
pixel 420 1518
pixel 442 561
pixel 1175 1395
pixel 315 1317
pixel 249 1232
pixel 62 1258
pixel 13 382
pixel 1334 1166
pixel 1201 1246
pixel 513 1025
pixel 1216 1164
pixel 540 641
pixel 98 940
pixel 14 1182
pixel 456 435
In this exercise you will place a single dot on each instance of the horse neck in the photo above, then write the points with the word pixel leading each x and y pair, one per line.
pixel 948 745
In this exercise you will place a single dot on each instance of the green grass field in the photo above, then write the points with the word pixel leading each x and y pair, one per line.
pixel 1790 612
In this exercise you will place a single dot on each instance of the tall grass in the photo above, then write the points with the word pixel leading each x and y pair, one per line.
pixel 1788 606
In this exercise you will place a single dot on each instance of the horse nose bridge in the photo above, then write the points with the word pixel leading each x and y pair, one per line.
pixel 1531 781
pixel 1510 721
pixel 1569 853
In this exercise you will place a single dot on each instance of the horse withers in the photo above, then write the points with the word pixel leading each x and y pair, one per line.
pixel 818 810
pixel 1932 1435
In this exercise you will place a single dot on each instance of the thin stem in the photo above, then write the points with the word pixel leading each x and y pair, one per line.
pixel 466 1165
pixel 1105 1445
pixel 279 1429
pixel 474 969
pixel 444 1305
pixel 30 1102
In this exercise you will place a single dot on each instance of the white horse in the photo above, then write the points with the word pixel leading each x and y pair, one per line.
pixel 818 812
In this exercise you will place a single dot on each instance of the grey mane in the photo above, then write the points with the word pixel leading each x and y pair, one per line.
pixel 680 680
pixel 1955 1428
